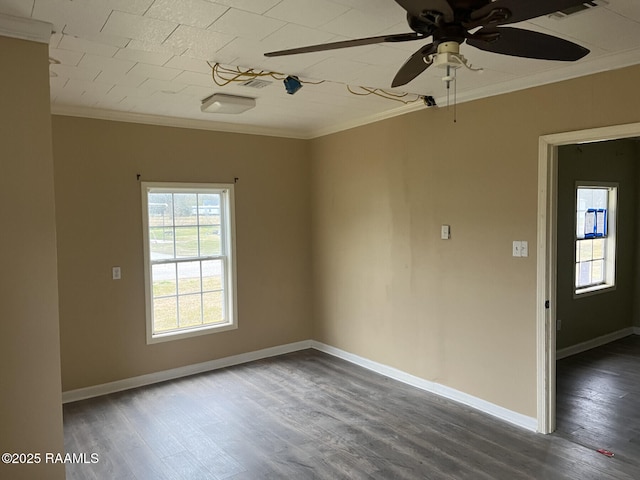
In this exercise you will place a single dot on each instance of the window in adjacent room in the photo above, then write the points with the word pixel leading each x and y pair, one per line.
pixel 189 259
pixel 595 237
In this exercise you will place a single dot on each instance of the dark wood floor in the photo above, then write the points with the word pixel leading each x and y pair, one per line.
pixel 598 399
pixel 308 415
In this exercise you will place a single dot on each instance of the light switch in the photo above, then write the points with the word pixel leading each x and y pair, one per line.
pixel 517 248
pixel 445 232
pixel 524 248
pixel 116 273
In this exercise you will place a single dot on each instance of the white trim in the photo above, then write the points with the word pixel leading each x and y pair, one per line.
pixel 492 409
pixel 227 255
pixel 376 117
pixel 568 72
pixel 497 411
pixel 594 343
pixel 546 268
pixel 25 28
pixel 572 70
pixel 545 291
pixel 175 122
pixel 151 378
pixel 610 273
pixel 166 121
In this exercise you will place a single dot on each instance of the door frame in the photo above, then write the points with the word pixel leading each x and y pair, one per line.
pixel 547 261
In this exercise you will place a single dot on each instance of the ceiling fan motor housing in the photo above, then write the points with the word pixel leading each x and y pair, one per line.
pixel 448 55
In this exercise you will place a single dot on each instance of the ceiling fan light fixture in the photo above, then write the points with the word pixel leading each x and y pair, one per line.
pixel 228 104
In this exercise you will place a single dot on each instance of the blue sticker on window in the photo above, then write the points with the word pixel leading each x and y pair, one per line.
pixel 595 223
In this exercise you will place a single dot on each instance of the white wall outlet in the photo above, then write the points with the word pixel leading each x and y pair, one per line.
pixel 116 273
pixel 517 248
pixel 524 248
pixel 445 232
pixel 558 324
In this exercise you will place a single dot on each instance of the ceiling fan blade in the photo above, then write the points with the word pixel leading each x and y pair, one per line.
pixel 401 37
pixel 414 66
pixel 416 7
pixel 526 43
pixel 522 10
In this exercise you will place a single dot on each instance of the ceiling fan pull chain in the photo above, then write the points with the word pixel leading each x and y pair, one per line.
pixel 455 95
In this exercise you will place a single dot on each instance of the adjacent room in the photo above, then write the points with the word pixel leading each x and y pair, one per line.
pixel 365 259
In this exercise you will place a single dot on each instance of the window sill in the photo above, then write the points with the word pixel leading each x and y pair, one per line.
pixel 595 290
pixel 193 332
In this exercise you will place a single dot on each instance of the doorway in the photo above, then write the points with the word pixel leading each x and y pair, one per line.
pixel 547 259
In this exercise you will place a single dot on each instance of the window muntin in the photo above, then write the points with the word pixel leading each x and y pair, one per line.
pixel 189 259
pixel 595 237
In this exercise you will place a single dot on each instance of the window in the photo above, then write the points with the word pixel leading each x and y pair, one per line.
pixel 189 259
pixel 595 237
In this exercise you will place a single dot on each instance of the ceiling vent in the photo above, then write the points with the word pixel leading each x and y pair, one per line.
pixel 583 7
pixel 256 83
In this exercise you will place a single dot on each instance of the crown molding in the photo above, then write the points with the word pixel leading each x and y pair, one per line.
pixel 165 121
pixel 25 28
pixel 571 71
pixel 376 117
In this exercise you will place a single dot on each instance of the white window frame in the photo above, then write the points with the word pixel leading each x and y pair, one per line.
pixel 610 270
pixel 227 255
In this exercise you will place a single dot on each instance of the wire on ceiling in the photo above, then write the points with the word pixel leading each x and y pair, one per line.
pixel 223 76
pixel 397 96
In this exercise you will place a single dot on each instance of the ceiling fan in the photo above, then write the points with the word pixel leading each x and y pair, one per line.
pixel 478 22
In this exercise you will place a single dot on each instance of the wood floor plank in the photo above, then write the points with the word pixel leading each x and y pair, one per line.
pixel 308 415
pixel 598 399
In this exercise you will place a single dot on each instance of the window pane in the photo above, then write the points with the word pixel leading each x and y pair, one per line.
pixel 213 310
pixel 597 272
pixel 585 198
pixel 160 209
pixel 190 310
pixel 185 208
pixel 164 280
pixel 165 314
pixel 580 215
pixel 212 275
pixel 600 196
pixel 209 208
pixel 161 242
pixel 583 274
pixel 186 242
pixel 210 241
pixel 188 277
pixel 585 250
pixel 598 248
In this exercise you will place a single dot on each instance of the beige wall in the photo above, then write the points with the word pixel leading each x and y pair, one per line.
pixel 102 322
pixel 589 317
pixel 30 394
pixel 459 312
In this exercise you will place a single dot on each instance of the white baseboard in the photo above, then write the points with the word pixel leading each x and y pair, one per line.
pixel 142 380
pixel 596 342
pixel 502 413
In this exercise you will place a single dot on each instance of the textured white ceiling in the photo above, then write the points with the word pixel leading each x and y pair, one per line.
pixel 147 60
